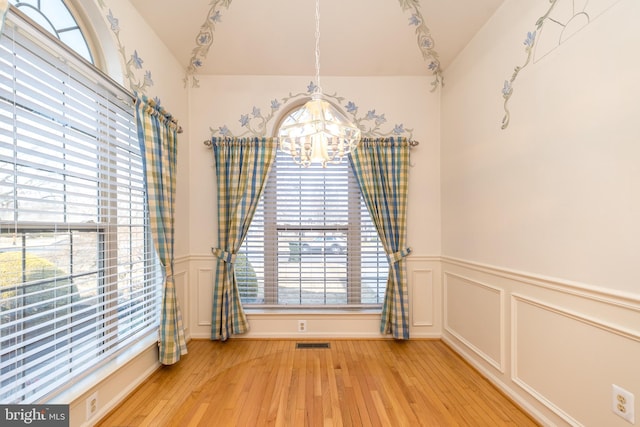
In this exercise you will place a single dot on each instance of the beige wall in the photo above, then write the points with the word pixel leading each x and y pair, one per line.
pixel 540 230
pixel 221 100
pixel 554 193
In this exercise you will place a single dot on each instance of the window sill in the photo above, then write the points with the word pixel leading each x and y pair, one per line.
pixel 314 322
pixel 315 311
pixel 93 379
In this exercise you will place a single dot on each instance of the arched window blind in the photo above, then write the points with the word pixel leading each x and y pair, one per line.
pixel 78 277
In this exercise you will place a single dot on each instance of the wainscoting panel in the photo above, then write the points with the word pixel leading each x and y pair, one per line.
pixel 422 300
pixel 204 298
pixel 567 342
pixel 589 354
pixel 474 314
pixel 425 296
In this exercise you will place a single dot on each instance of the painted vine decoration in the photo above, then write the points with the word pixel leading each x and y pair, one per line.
pixel 529 43
pixel 426 43
pixel 204 40
pixel 255 122
pixel 134 62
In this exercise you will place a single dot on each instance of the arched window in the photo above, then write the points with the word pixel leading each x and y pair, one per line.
pixel 55 17
pixel 312 241
pixel 79 280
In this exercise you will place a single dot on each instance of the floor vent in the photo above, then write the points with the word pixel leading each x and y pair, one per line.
pixel 312 345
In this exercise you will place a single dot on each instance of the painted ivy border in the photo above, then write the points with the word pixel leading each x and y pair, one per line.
pixel 255 123
pixel 529 44
pixel 205 38
pixel 133 63
pixel 426 44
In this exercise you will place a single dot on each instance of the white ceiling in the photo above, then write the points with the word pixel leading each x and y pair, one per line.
pixel 276 37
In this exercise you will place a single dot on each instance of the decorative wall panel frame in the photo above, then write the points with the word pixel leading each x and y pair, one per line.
pixel 500 293
pixel 516 300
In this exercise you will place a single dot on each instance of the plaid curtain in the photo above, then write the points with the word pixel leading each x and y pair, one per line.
pixel 157 133
pixel 381 167
pixel 242 167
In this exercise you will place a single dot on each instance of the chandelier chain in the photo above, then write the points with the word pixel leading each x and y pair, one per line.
pixel 318 131
pixel 317 35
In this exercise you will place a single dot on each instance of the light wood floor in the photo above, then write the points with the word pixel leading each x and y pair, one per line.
pixel 354 383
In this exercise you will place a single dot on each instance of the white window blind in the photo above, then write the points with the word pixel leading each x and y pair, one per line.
pixel 78 275
pixel 312 242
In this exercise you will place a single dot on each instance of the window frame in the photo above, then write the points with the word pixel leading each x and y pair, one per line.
pixel 267 214
pixel 112 187
pixel 73 14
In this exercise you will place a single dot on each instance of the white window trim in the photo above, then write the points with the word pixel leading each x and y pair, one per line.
pixel 16 21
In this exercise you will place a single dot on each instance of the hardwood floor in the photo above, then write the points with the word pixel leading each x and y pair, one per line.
pixel 354 383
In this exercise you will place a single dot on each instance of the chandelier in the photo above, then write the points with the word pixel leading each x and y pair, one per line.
pixel 318 131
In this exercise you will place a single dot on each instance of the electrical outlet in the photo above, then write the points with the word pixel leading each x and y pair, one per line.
pixel 622 403
pixel 92 405
pixel 302 326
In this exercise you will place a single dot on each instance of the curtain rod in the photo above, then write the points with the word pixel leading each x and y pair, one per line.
pixel 161 111
pixel 207 142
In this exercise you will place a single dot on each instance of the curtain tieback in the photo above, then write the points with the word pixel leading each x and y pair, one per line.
pixel 168 271
pixel 397 256
pixel 225 256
